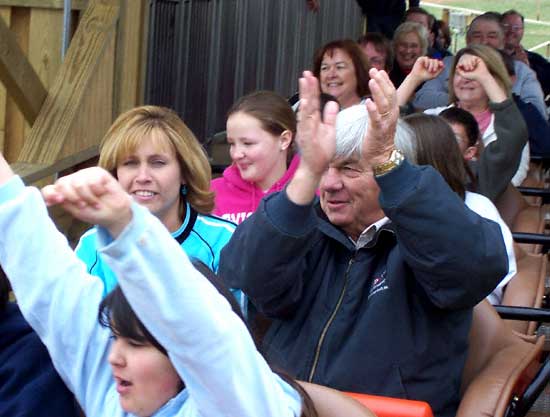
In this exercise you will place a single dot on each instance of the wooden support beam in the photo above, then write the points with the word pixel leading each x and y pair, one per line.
pixel 52 128
pixel 129 65
pixel 44 4
pixel 19 77
pixel 33 172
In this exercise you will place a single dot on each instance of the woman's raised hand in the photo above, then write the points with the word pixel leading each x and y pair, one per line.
pixel 316 138
pixel 426 68
pixel 472 68
pixel 94 196
pixel 383 114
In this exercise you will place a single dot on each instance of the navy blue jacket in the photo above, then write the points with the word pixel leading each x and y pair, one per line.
pixel 392 318
pixel 29 384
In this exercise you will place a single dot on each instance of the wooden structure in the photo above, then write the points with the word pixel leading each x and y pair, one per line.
pixel 54 112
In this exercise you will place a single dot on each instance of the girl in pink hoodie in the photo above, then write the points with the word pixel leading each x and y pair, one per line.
pixel 260 132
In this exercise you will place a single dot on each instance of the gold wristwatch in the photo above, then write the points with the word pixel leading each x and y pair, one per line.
pixel 396 158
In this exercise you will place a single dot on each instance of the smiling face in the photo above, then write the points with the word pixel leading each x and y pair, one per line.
pixel 337 77
pixel 144 376
pixel 407 49
pixel 151 174
pixel 513 30
pixel 485 32
pixel 470 94
pixel 259 155
pixel 349 196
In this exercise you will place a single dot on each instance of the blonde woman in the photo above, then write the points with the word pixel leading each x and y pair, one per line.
pixel 160 163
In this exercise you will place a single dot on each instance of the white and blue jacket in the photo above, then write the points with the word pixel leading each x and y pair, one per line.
pixel 207 343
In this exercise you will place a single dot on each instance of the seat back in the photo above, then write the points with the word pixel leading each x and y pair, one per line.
pixel 218 149
pixel 500 364
pixel 332 403
pixel 521 216
pixel 509 204
pixel 393 407
pixel 526 288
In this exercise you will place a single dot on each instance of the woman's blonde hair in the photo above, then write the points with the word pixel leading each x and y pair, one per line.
pixel 493 62
pixel 165 128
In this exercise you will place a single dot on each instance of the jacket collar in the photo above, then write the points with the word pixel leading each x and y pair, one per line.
pixel 335 233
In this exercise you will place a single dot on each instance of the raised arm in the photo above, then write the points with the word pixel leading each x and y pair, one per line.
pixel 180 308
pixel 424 69
pixel 54 293
pixel 316 140
pixel 473 68
pixel 432 224
pixel 434 93
pixel 284 225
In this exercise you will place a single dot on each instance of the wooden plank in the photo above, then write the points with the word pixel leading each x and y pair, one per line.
pixel 96 111
pixel 18 75
pixel 45 45
pixel 44 4
pixel 31 173
pixel 5 13
pixel 51 129
pixel 129 67
pixel 16 126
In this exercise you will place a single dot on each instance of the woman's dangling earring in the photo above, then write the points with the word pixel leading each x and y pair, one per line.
pixel 183 190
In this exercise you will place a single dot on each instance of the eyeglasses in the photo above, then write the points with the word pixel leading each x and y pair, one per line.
pixel 513 28
pixel 405 45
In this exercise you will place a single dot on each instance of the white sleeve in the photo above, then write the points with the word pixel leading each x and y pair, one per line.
pixel 208 344
pixel 523 168
pixel 56 296
pixel 485 208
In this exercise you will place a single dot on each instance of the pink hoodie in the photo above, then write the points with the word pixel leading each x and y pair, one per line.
pixel 236 199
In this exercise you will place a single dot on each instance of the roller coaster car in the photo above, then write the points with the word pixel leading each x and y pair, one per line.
pixel 503 375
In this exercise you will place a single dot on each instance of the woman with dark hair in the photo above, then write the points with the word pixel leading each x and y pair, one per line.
pixel 342 69
pixel 207 363
pixel 260 132
pixel 434 143
pixel 29 385
pixel 160 163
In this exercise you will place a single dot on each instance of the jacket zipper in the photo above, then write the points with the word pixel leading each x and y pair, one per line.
pixel 329 321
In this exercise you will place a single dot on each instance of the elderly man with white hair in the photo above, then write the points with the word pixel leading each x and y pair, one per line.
pixel 371 288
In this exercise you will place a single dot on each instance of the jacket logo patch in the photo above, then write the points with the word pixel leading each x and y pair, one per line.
pixel 378 285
